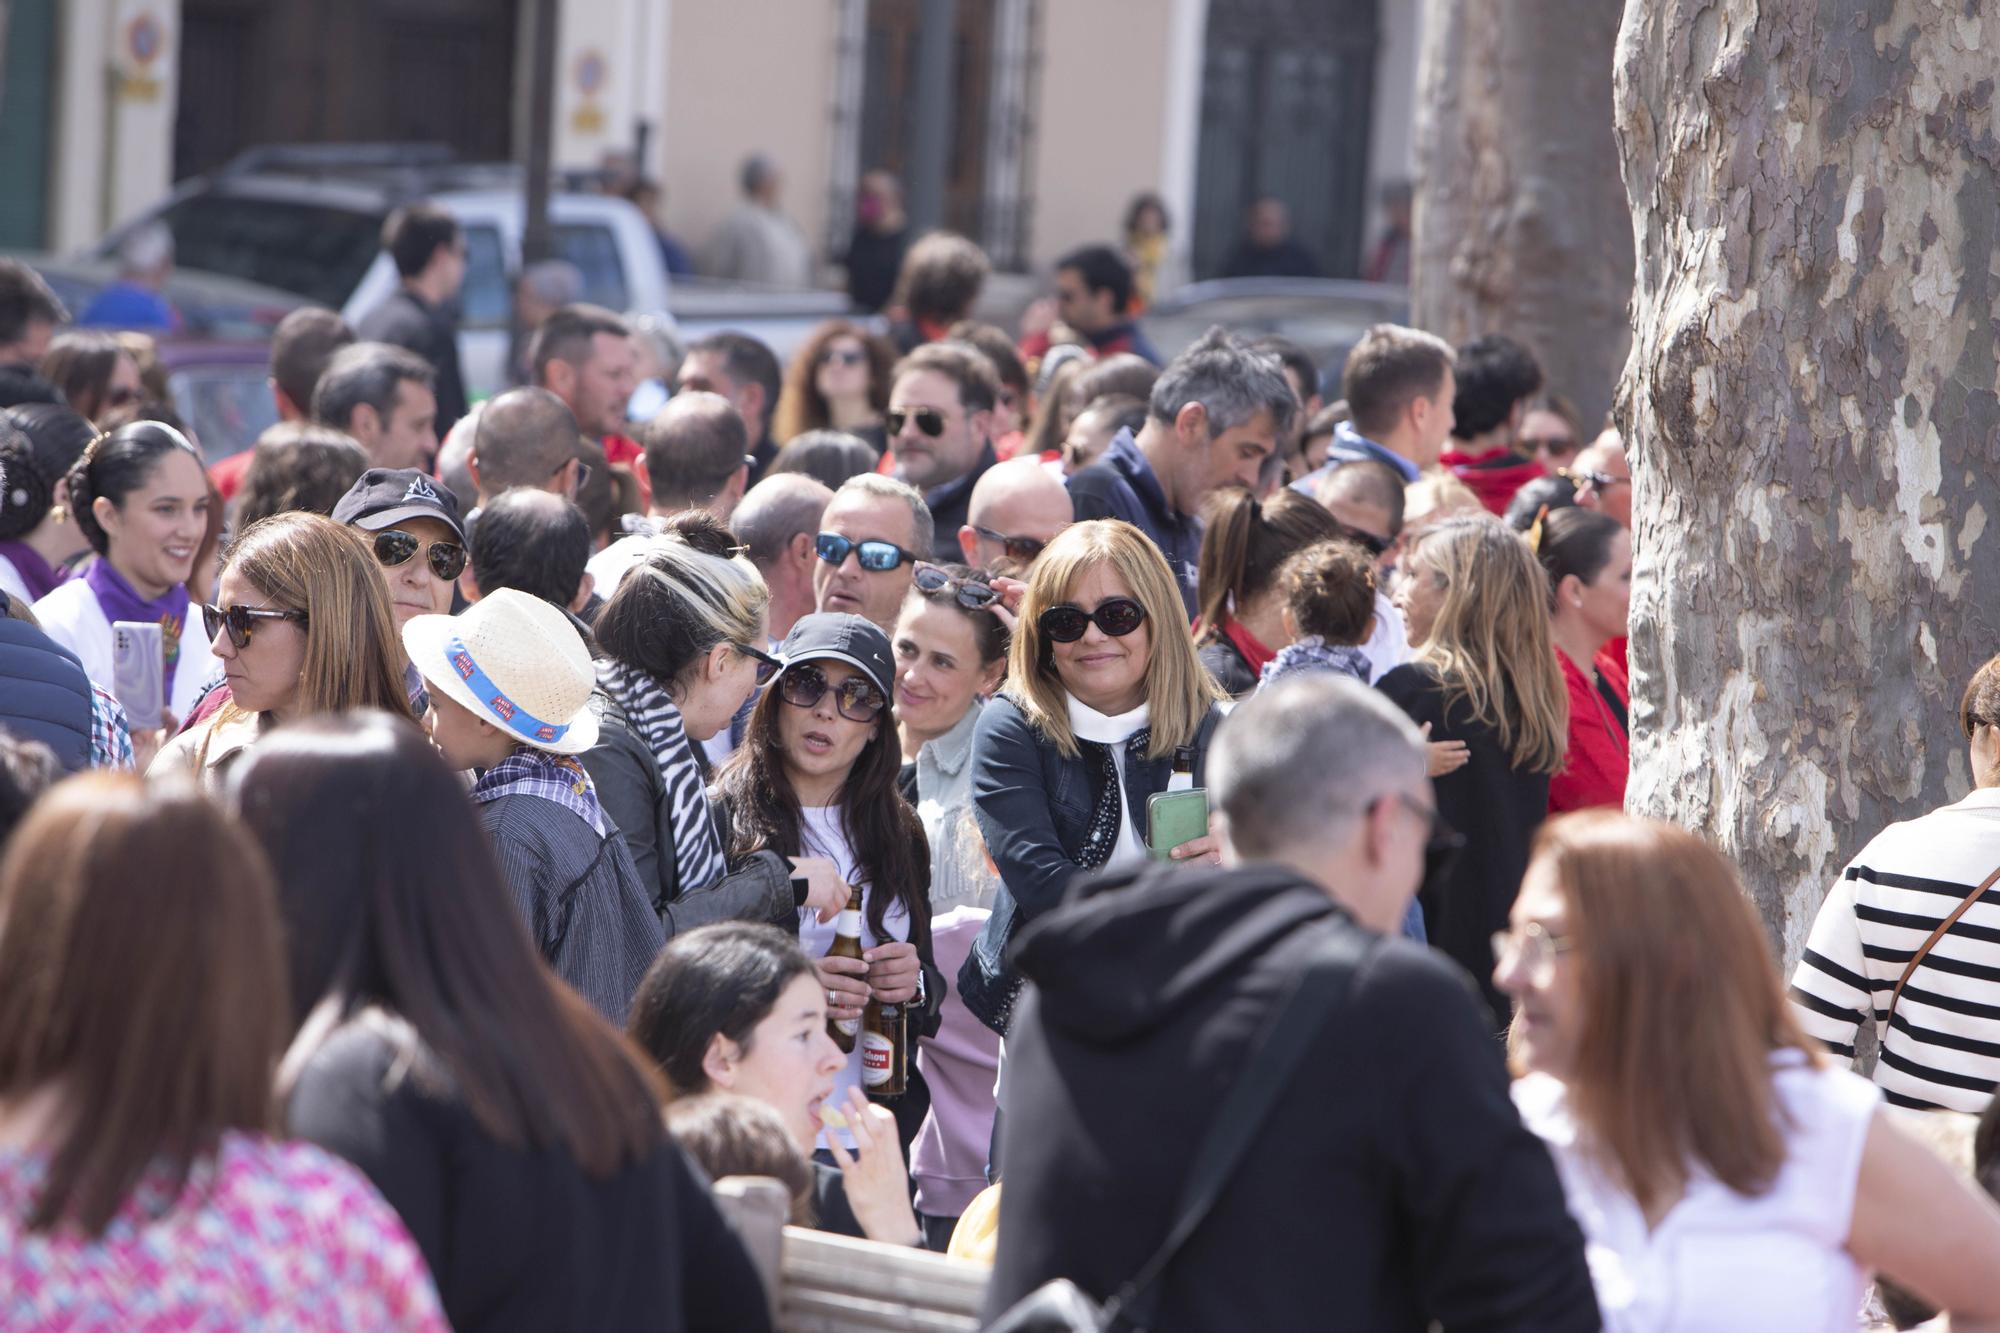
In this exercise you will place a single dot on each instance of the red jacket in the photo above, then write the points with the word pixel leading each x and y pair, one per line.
pixel 1599 754
pixel 1494 476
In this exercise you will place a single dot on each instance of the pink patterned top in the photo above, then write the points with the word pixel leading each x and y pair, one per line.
pixel 266 1236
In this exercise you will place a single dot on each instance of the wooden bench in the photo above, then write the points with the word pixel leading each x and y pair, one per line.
pixel 821 1283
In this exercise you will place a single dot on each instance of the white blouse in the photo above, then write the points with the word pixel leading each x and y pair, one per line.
pixel 1719 1262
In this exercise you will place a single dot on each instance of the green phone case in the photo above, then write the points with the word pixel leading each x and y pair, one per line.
pixel 1175 817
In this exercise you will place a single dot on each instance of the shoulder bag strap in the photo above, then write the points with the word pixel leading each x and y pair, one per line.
pixel 1321 985
pixel 1923 950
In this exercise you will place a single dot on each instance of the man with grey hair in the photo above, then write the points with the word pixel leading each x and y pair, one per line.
pixel 779 520
pixel 1217 413
pixel 525 437
pixel 871 537
pixel 1392 1142
pixel 758 243
pixel 384 397
pixel 134 300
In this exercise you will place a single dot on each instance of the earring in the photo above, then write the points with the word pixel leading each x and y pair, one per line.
pixel 59 513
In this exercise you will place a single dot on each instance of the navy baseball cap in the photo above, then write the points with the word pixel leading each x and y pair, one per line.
pixel 844 638
pixel 384 497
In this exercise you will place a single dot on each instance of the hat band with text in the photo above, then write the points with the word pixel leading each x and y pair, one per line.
pixel 512 716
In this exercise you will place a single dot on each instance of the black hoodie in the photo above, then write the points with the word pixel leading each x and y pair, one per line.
pixel 1391 1185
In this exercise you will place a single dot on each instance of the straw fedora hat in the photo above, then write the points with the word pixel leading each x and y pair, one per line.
pixel 516 662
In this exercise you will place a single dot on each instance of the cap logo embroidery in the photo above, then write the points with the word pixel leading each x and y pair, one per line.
pixel 421 489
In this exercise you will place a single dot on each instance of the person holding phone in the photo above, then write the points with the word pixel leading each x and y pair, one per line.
pixel 141 499
pixel 301 624
pixel 815 780
pixel 1106 706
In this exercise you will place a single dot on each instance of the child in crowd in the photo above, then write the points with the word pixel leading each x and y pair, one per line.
pixel 510 683
pixel 1329 611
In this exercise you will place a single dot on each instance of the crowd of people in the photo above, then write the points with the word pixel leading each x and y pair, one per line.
pixel 1103 816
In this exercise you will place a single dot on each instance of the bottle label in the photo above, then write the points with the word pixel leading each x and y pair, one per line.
pixel 878 1059
pixel 848 1026
pixel 848 923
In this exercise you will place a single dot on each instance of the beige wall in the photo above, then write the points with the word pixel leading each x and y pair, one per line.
pixel 114 117
pixel 1100 138
pixel 746 76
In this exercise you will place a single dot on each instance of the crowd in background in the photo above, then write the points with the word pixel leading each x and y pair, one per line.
pixel 491 823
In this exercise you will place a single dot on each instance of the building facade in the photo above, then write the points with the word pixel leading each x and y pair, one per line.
pixel 1060 110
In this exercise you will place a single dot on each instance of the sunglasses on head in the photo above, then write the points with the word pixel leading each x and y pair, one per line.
pixel 1025 549
pixel 854 698
pixel 1367 541
pixel 241 620
pixel 929 420
pixel 1116 616
pixel 767 665
pixel 876 557
pixel 973 594
pixel 395 547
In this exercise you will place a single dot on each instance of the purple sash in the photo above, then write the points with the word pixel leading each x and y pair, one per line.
pixel 119 600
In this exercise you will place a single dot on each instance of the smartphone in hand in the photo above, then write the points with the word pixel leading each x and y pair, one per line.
pixel 139 672
pixel 1175 817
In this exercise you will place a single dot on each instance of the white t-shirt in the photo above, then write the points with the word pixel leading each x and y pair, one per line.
pixel 821 835
pixel 11 581
pixel 1719 1262
pixel 1389 646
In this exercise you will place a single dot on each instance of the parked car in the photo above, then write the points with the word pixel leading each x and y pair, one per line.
pixel 309 220
pixel 1326 316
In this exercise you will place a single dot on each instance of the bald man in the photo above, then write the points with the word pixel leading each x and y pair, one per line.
pixel 525 437
pixel 1017 508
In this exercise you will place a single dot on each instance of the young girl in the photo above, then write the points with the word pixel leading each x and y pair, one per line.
pixel 1329 611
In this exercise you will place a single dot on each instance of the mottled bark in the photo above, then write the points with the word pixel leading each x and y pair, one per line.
pixel 1812 418
pixel 1521 225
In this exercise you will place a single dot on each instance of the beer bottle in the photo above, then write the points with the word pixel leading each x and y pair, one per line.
pixel 846 944
pixel 885 1046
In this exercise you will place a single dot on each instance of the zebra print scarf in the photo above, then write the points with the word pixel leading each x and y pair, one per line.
pixel 697 851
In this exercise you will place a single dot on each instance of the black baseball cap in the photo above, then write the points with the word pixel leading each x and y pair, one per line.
pixel 384 497
pixel 844 638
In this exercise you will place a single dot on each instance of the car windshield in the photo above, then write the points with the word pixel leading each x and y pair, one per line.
pixel 311 249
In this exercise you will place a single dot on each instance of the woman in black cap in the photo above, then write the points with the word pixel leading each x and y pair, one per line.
pixel 815 780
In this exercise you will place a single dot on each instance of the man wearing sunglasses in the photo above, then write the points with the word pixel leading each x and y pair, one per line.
pixel 411 523
pixel 1603 478
pixel 940 425
pixel 1217 414
pixel 1017 508
pixel 870 539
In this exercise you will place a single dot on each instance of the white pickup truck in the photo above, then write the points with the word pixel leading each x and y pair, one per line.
pixel 309 220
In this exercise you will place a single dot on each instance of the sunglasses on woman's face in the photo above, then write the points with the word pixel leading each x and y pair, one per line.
pixel 767 665
pixel 875 557
pixel 844 356
pixel 395 547
pixel 973 594
pixel 929 420
pixel 854 698
pixel 1116 616
pixel 241 620
pixel 1024 549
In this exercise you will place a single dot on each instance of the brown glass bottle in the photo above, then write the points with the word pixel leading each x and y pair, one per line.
pixel 885 1046
pixel 846 944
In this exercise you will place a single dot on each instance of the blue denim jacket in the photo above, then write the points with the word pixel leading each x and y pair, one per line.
pixel 1034 806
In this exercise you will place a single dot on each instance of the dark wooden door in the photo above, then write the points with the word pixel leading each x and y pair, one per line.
pixel 331 71
pixel 888 101
pixel 1287 88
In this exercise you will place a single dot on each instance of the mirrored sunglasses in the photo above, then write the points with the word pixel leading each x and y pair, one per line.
pixel 876 557
pixel 854 698
pixel 395 547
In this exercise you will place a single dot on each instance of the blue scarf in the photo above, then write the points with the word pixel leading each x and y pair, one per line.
pixel 119 600
pixel 1312 653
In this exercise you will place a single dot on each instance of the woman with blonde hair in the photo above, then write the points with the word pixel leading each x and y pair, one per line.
pixel 838 381
pixel 1485 673
pixel 1106 705
pixel 1725 1177
pixel 301 624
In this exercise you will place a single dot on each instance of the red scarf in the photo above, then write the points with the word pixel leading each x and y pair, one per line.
pixel 1253 650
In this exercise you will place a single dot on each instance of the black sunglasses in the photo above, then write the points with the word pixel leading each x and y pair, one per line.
pixel 929 420
pixel 844 356
pixel 856 699
pixel 395 547
pixel 1367 541
pixel 973 594
pixel 240 620
pixel 767 665
pixel 1017 548
pixel 1116 616
pixel 876 557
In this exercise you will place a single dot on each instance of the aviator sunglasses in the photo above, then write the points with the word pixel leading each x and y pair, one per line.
pixel 854 698
pixel 240 621
pixel 395 547
pixel 876 557
pixel 1116 616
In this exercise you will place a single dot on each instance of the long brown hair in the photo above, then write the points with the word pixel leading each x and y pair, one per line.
pixel 890 848
pixel 142 976
pixel 1243 545
pixel 1682 1005
pixel 800 405
pixel 1490 645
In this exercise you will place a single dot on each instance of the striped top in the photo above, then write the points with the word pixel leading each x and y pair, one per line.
pixel 1943 1050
